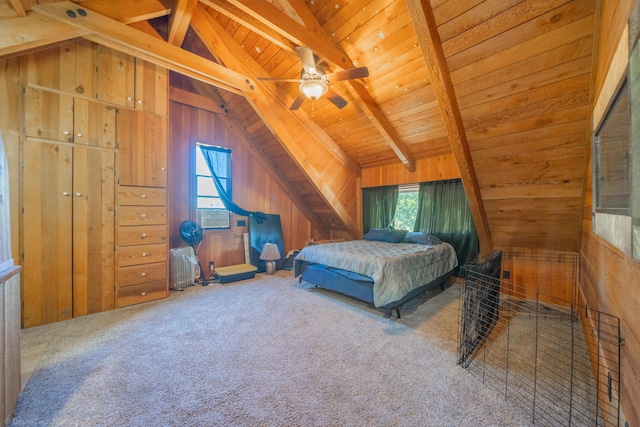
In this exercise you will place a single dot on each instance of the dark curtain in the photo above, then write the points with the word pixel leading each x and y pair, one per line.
pixel 443 210
pixel 219 162
pixel 378 206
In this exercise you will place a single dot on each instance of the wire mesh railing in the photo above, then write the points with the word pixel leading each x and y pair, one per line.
pixel 555 360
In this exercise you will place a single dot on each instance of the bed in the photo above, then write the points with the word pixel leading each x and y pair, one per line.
pixel 385 271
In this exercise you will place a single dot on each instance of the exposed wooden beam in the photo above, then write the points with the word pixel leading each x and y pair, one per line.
pixel 127 11
pixel 34 31
pixel 212 103
pixel 431 45
pixel 254 24
pixel 306 143
pixel 179 20
pixel 115 35
pixel 17 6
pixel 312 35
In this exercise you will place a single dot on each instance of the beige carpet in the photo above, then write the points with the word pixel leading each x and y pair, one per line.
pixel 262 352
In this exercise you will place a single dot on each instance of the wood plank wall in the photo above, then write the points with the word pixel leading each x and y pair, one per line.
pixel 609 278
pixel 427 169
pixel 253 188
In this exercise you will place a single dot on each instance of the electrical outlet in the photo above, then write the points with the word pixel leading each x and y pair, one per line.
pixel 241 223
pixel 506 274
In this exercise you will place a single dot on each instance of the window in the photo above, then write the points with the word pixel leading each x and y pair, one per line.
pixel 612 176
pixel 407 209
pixel 210 208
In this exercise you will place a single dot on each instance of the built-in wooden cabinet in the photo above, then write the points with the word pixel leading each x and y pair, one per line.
pixel 68 231
pixel 142 245
pixel 123 80
pixel 61 117
pixel 142 149
pixel 90 143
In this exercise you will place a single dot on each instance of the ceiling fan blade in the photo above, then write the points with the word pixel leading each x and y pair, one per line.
pixel 274 79
pixel 353 73
pixel 337 100
pixel 297 102
pixel 306 56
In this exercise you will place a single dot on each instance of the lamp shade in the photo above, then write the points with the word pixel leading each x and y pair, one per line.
pixel 313 89
pixel 270 252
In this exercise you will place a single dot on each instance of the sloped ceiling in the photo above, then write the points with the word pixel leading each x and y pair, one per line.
pixel 502 85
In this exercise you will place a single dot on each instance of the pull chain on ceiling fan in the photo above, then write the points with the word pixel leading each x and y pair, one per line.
pixel 314 82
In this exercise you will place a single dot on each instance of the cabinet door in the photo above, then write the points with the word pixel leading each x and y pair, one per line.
pixel 114 77
pixel 142 143
pixel 93 230
pixel 47 233
pixel 68 68
pixel 48 115
pixel 94 123
pixel 151 88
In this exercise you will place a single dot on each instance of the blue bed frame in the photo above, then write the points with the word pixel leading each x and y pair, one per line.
pixel 360 287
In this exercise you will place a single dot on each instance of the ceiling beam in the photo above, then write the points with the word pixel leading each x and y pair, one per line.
pixel 256 25
pixel 305 142
pixel 179 20
pixel 17 6
pixel 34 31
pixel 431 45
pixel 110 33
pixel 313 36
pixel 127 11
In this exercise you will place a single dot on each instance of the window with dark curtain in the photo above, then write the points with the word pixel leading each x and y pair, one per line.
pixel 443 210
pixel 378 206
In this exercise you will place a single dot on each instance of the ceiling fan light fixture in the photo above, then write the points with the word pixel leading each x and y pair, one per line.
pixel 313 89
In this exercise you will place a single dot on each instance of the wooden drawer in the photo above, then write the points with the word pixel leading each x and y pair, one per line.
pixel 142 215
pixel 142 196
pixel 142 235
pixel 137 274
pixel 142 254
pixel 142 293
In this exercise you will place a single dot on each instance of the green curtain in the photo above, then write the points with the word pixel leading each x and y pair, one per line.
pixel 443 210
pixel 378 206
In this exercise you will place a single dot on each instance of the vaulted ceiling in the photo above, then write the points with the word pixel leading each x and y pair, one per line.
pixel 501 85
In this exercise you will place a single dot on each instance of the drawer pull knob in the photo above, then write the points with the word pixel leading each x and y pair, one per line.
pixel 143 235
pixel 162 169
pixel 65 193
pixel 79 135
pixel 143 293
pixel 144 196
pixel 139 101
pixel 79 194
pixel 143 274
pixel 144 254
pixel 129 98
pixel 143 215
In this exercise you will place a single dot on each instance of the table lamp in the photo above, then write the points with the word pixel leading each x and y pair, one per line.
pixel 270 254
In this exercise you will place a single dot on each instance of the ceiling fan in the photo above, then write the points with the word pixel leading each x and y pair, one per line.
pixel 314 82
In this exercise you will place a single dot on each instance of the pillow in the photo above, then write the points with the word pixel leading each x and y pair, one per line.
pixel 385 235
pixel 421 238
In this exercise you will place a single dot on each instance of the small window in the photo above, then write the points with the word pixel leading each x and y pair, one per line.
pixel 407 209
pixel 211 211
pixel 612 166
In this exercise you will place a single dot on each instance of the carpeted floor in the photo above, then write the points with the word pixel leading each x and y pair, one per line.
pixel 262 352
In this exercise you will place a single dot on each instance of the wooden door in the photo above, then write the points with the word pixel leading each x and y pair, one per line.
pixel 94 123
pixel 142 144
pixel 93 230
pixel 114 80
pixel 48 115
pixel 47 233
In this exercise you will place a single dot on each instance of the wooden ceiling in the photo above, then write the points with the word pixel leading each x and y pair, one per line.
pixel 502 85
